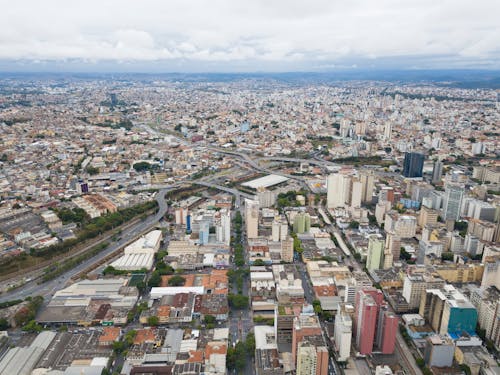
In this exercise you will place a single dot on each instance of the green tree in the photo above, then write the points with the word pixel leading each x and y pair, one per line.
pixel 4 324
pixel 250 344
pixel 32 327
pixel 92 170
pixel 209 319
pixel 153 321
pixel 238 301
pixel 176 280
pixel 354 224
pixel 259 262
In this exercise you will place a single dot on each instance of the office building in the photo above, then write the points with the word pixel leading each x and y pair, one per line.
pixel 427 216
pixel 338 190
pixel 439 351
pixel 301 223
pixel 393 245
pixel 366 321
pixel 252 218
pixel 448 311
pixel 343 332
pixel 367 180
pixel 387 328
pixel 414 285
pixel 437 172
pixel 374 259
pixel 413 164
pixel 287 249
pixel 452 202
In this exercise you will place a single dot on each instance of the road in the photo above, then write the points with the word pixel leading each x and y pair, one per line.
pixel 48 288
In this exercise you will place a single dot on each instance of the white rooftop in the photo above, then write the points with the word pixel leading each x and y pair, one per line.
pixel 265 181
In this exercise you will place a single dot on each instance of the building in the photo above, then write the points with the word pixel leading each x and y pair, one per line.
pixel 388 131
pixel 439 351
pixel 452 202
pixel 427 216
pixel 437 172
pixel 448 311
pixel 311 360
pixel 356 193
pixel 304 326
pixel 223 227
pixel 392 245
pixel 414 286
pixel 403 226
pixel 367 180
pixel 140 254
pixel 287 250
pixel 375 255
pixel 413 164
pixel 343 332
pixel 338 190
pixel 22 360
pixel 252 218
pixel 387 327
pixel 367 307
pixel 301 223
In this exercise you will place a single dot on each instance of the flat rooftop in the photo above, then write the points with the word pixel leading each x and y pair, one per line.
pixel 266 181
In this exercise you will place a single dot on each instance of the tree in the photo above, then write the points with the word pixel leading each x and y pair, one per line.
pixel 209 319
pixel 32 327
pixel 92 170
pixel 238 301
pixel 4 324
pixel 420 362
pixel 259 262
pixel 354 224
pixel 153 321
pixel 250 344
pixel 155 279
pixel 176 280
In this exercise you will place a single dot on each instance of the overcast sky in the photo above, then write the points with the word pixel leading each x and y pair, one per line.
pixel 250 35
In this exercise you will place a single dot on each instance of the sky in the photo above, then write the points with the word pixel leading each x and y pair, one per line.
pixel 248 36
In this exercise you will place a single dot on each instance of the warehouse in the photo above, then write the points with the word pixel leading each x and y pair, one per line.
pixel 266 181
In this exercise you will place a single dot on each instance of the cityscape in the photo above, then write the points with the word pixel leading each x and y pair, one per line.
pixel 187 201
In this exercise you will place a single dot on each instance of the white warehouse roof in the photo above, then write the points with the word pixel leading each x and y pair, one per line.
pixel 266 181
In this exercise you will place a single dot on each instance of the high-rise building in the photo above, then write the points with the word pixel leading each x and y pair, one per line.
pixel 252 218
pixel 452 202
pixel 223 227
pixel 302 223
pixel 367 307
pixel 415 285
pixel 338 190
pixel 287 249
pixel 387 327
pixel 306 359
pixel 307 332
pixel 374 259
pixel 356 193
pixel 448 311
pixel 388 131
pixel 439 351
pixel 393 245
pixel 367 182
pixel 437 172
pixel 343 332
pixel 413 164
pixel 304 326
pixel 427 216
pixel 311 359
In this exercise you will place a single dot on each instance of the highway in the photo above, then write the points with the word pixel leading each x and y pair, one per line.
pixel 48 288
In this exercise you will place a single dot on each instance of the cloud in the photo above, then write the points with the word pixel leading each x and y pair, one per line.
pixel 263 33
